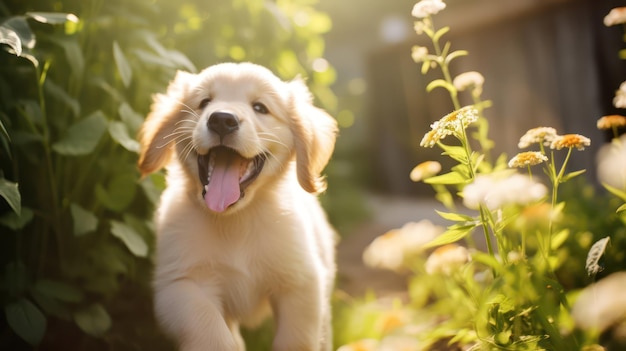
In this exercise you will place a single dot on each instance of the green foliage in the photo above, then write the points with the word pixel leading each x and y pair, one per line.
pixel 76 80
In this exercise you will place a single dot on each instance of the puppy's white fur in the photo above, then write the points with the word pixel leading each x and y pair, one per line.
pixel 272 248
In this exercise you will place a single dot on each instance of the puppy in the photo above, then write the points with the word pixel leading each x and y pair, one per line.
pixel 239 227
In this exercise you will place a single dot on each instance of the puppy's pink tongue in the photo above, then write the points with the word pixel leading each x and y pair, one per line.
pixel 223 189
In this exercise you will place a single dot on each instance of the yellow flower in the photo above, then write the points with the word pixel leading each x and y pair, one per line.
pixel 611 121
pixel 615 16
pixel 570 141
pixel 425 170
pixel 528 158
pixel 450 124
pixel 537 136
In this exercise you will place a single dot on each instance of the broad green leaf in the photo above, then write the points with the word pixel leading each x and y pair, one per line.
pixel 123 67
pixel 451 178
pixel 615 191
pixel 153 186
pixel 559 238
pixel 93 320
pixel 132 119
pixel 11 193
pixel 133 241
pixel 452 235
pixel 457 153
pixel 73 54
pixel 84 221
pixel 119 192
pixel 26 320
pixel 52 17
pixel 119 133
pixel 20 28
pixel 10 38
pixel 61 95
pixel 59 290
pixel 82 137
pixel 457 217
pixel 440 83
pixel 16 222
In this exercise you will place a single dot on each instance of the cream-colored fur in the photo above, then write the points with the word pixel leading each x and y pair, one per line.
pixel 273 248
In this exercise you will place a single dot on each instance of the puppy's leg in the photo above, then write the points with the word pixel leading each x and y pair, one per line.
pixel 298 319
pixel 193 317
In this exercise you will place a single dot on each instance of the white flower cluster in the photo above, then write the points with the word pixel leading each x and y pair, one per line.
pixel 612 163
pixel 426 8
pixel 498 190
pixel 392 249
pixel 451 124
pixel 471 79
pixel 619 100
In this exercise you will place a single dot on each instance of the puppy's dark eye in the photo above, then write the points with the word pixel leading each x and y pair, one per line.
pixel 260 108
pixel 204 102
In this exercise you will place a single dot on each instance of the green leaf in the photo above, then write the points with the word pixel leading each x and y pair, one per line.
pixel 621 208
pixel 58 290
pixel 73 54
pixel 457 153
pixel 16 222
pixel 26 320
pixel 17 33
pixel 119 192
pixel 84 221
pixel 132 119
pixel 61 95
pixel 11 193
pixel 119 133
pixel 451 178
pixel 52 17
pixel 82 137
pixel 572 175
pixel 615 191
pixel 10 38
pixel 93 320
pixel 133 241
pixel 452 235
pixel 123 67
pixel 457 217
pixel 559 238
pixel 440 83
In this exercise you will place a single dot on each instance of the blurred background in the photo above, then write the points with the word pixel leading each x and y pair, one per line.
pixel 76 221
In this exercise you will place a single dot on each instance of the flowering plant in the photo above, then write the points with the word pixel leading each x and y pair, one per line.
pixel 492 279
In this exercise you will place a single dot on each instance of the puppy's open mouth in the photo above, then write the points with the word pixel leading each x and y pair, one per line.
pixel 225 175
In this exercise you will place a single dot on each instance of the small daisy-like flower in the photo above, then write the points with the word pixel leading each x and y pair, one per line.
pixel 419 53
pixel 425 170
pixel 496 190
pixel 619 100
pixel 570 141
pixel 611 121
pixel 450 124
pixel 528 158
pixel 615 16
pixel 537 136
pixel 392 249
pixel 425 8
pixel 445 259
pixel 470 79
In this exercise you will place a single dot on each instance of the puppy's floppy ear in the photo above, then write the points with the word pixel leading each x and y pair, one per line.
pixel 155 133
pixel 314 133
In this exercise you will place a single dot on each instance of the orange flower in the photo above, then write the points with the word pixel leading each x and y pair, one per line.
pixel 611 121
pixel 570 141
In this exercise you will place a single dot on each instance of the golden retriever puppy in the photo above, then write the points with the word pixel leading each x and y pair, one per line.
pixel 239 227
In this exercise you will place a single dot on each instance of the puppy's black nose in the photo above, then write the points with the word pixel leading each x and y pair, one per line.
pixel 223 123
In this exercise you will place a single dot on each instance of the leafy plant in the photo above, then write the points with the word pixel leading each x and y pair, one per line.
pixel 75 82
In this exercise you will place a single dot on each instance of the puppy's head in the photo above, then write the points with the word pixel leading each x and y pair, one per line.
pixel 233 128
